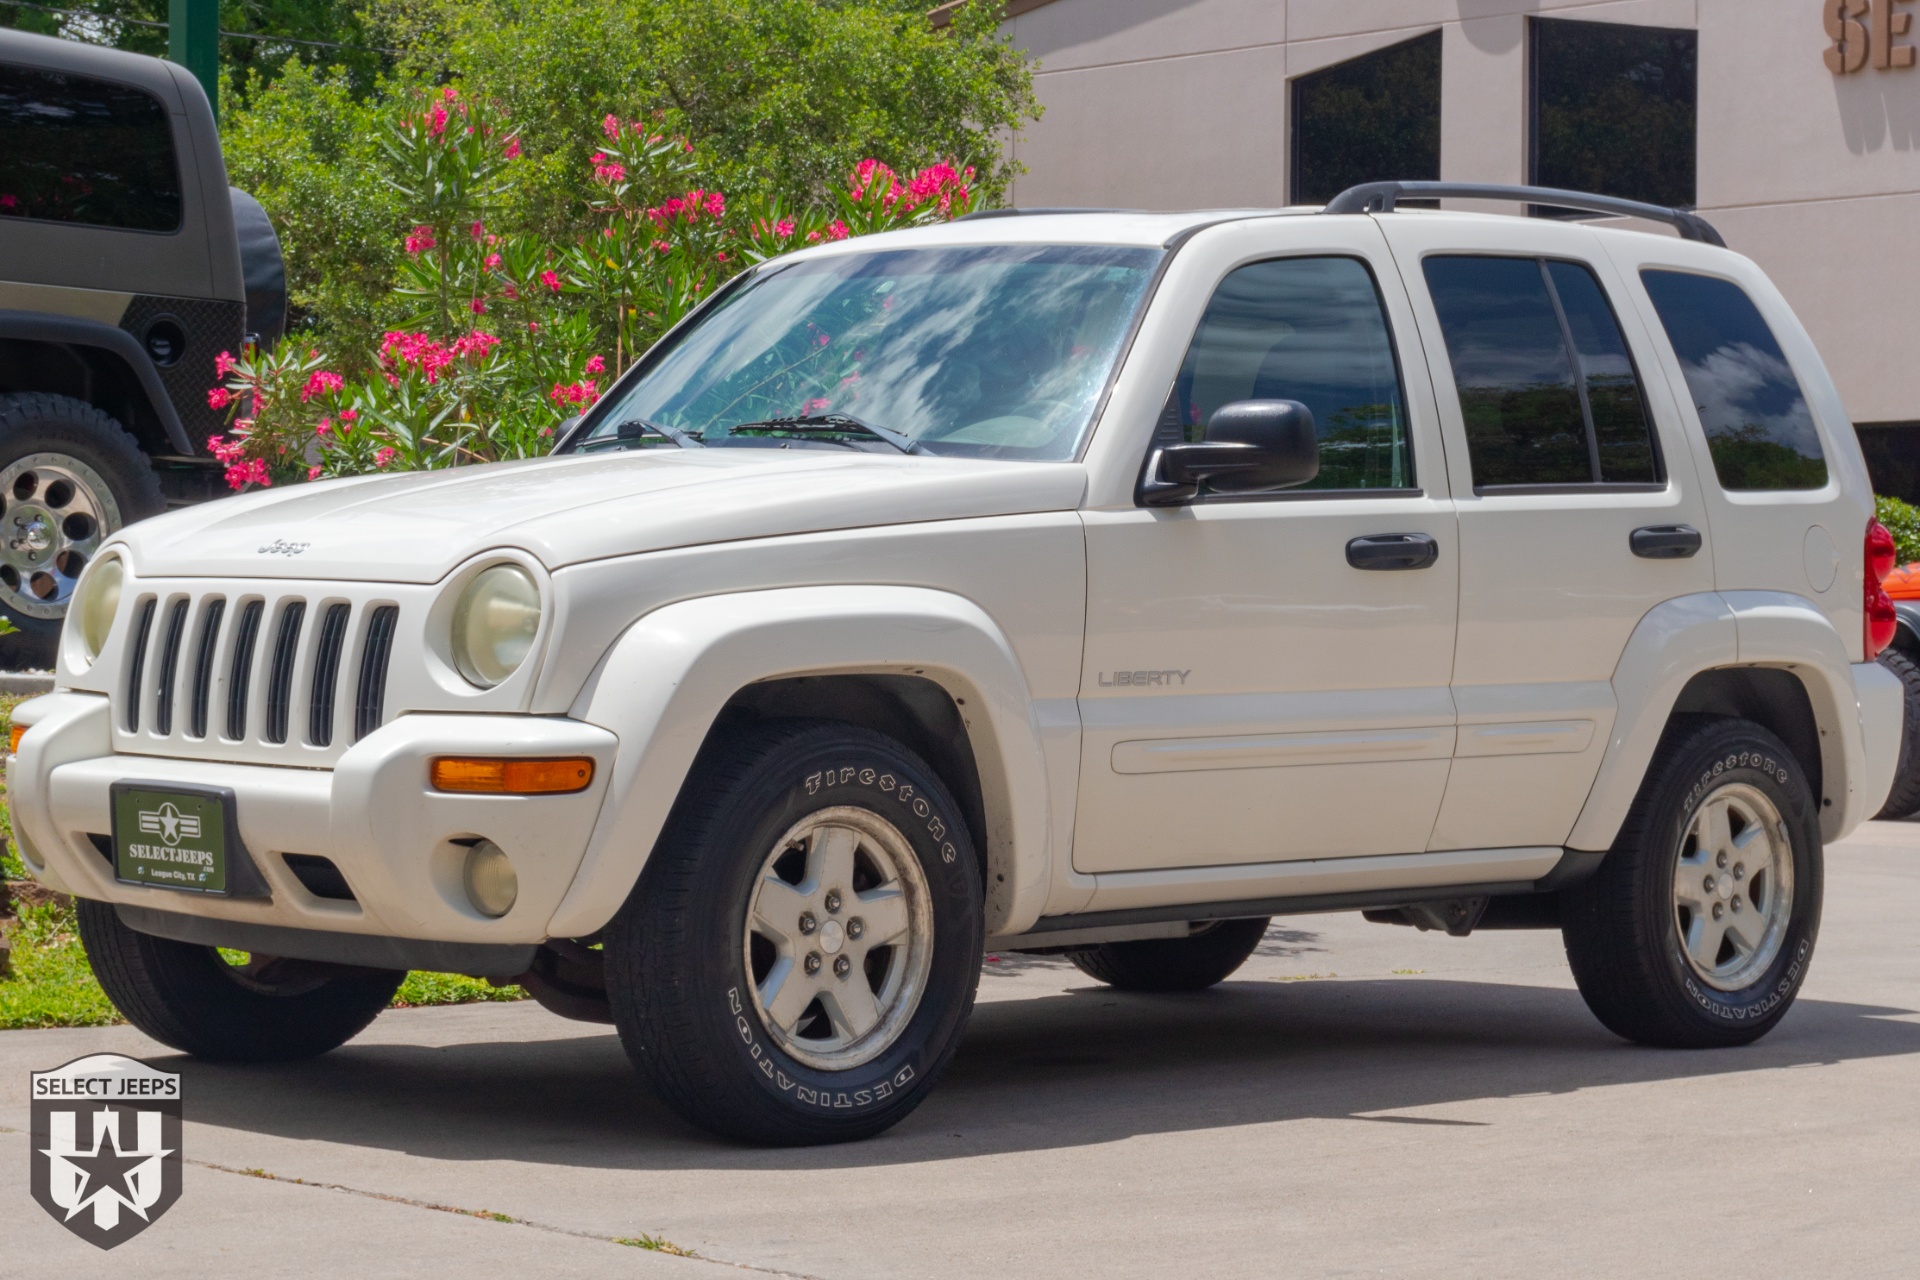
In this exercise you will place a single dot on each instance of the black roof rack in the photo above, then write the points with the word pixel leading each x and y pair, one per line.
pixel 1379 197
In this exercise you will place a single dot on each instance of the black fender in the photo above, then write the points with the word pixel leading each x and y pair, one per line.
pixel 40 326
pixel 1906 633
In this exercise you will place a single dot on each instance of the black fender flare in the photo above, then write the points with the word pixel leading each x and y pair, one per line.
pixel 40 326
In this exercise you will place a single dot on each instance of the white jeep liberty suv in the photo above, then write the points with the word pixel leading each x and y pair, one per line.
pixel 1093 583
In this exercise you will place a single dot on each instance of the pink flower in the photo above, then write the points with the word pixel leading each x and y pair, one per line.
pixel 551 279
pixel 596 365
pixel 610 173
pixel 478 306
pixel 817 404
pixel 382 456
pixel 836 230
pixel 783 228
pixel 475 344
pixel 321 383
pixel 513 293
pixel 348 415
pixel 323 427
pixel 421 239
pixel 436 121
pixel 9 201
pixel 513 147
pixel 313 473
pixel 252 471
pixel 450 93
pixel 585 391
pixel 491 262
pixel 223 364
pixel 478 230
pixel 611 127
pixel 219 398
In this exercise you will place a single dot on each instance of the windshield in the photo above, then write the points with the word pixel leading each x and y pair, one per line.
pixel 999 351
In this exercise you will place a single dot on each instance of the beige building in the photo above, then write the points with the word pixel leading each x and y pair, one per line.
pixel 1792 125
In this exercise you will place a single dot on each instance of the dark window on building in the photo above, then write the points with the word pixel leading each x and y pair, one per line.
pixel 1759 428
pixel 1547 389
pixel 86 151
pixel 1613 109
pixel 1306 329
pixel 1371 119
pixel 1893 457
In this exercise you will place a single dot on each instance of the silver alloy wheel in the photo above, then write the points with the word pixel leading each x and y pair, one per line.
pixel 839 938
pixel 1733 886
pixel 56 512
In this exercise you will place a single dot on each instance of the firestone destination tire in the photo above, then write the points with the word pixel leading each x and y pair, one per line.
pixel 1697 930
pixel 1193 963
pixel 799 959
pixel 191 997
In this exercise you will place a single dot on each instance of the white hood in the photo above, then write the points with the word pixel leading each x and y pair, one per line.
pixel 417 526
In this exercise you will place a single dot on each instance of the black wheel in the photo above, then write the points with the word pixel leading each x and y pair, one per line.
pixel 1193 963
pixel 800 956
pixel 69 476
pixel 1698 927
pixel 1904 800
pixel 195 999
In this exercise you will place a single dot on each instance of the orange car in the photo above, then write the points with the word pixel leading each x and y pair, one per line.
pixel 1904 583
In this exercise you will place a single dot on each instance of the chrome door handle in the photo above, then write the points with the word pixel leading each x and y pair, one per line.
pixel 1393 551
pixel 1665 541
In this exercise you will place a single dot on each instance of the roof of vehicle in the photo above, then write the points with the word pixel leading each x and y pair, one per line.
pixel 49 53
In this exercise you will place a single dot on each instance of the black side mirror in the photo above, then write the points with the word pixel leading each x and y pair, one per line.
pixel 564 433
pixel 1252 446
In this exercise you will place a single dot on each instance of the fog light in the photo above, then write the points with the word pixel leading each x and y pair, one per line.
pixel 491 884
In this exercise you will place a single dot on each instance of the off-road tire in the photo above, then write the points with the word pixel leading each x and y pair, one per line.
pixel 679 982
pixel 1622 936
pixel 188 996
pixel 35 422
pixel 1174 964
pixel 1904 800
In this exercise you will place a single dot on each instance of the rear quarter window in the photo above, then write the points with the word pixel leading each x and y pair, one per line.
pixel 1759 429
pixel 78 150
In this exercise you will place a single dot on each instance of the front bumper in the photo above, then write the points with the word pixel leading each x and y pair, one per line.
pixel 373 814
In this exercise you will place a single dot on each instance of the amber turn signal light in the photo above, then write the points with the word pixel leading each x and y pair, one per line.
pixel 13 739
pixel 501 777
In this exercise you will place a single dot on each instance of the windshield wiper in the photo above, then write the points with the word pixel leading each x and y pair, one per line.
pixel 634 428
pixel 824 423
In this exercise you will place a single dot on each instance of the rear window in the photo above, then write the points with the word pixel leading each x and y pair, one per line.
pixel 1548 391
pixel 85 151
pixel 1759 429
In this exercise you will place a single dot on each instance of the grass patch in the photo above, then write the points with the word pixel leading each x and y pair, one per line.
pixel 51 984
pixel 421 989
pixel 656 1244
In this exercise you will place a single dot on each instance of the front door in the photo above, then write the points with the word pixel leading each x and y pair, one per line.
pixel 1579 509
pixel 1250 695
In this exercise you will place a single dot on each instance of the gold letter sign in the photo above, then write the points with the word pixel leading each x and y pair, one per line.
pixel 1853 47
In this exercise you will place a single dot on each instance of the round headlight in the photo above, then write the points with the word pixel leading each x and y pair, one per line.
pixel 494 622
pixel 97 601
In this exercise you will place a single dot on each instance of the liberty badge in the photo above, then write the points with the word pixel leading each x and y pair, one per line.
pixel 106 1146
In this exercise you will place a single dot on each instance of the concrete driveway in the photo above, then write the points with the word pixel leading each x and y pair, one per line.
pixel 1360 1099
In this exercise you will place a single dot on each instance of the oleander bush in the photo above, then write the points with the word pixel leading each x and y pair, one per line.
pixel 497 337
pixel 1903 521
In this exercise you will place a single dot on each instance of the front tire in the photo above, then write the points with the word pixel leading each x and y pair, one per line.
pixel 799 959
pixel 192 998
pixel 1697 929
pixel 1193 963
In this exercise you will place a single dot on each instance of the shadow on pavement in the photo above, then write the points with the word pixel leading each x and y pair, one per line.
pixel 1066 1070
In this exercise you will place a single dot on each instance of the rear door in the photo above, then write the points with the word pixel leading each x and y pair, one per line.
pixel 1578 505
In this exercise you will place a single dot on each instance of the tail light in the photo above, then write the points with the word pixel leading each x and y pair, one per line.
pixel 1879 615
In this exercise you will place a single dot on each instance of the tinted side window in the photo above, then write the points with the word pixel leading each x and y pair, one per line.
pixel 1306 329
pixel 80 150
pixel 1758 426
pixel 1547 389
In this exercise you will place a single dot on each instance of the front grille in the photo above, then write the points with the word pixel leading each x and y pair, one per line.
pixel 282 684
pixel 286 647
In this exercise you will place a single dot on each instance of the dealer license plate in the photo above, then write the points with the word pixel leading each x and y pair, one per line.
pixel 170 839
